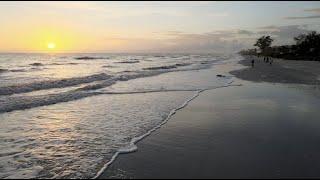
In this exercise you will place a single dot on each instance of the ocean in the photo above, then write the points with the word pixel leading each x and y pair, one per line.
pixel 70 115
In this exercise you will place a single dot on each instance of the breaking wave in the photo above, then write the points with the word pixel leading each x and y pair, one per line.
pixel 90 58
pixel 129 62
pixel 23 88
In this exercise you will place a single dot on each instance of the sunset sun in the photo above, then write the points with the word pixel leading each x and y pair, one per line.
pixel 51 45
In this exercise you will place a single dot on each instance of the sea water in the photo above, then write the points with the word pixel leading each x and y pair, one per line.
pixel 70 115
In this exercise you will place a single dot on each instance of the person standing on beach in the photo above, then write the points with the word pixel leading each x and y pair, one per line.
pixel 252 62
pixel 271 61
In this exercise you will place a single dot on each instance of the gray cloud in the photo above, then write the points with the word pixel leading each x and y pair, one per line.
pixel 285 31
pixel 223 41
pixel 316 10
pixel 180 42
pixel 268 27
pixel 199 43
pixel 246 32
pixel 284 34
pixel 234 40
pixel 173 33
pixel 215 41
pixel 231 33
pixel 304 17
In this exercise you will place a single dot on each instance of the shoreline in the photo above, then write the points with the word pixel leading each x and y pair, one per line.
pixel 133 147
pixel 136 140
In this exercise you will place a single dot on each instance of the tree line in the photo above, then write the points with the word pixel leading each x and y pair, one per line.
pixel 306 47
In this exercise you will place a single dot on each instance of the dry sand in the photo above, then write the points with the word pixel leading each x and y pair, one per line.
pixel 281 71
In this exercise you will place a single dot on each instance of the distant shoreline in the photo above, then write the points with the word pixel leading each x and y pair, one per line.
pixel 284 57
pixel 281 71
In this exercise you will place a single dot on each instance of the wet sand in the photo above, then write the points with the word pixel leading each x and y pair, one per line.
pixel 257 130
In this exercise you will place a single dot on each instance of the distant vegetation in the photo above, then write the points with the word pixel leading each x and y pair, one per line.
pixel 306 47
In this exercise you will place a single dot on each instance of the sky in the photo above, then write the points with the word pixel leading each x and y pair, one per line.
pixel 142 27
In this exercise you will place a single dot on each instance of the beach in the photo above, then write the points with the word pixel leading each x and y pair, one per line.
pixel 266 128
pixel 157 116
pixel 280 71
pixel 113 90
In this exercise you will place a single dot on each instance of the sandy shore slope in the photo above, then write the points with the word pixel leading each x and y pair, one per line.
pixel 258 130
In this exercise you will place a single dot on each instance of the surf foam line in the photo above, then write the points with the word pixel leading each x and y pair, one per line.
pixel 132 146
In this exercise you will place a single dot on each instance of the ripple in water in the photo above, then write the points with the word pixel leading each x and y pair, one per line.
pixel 76 139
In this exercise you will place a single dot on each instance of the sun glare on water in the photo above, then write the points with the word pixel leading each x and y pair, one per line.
pixel 51 45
